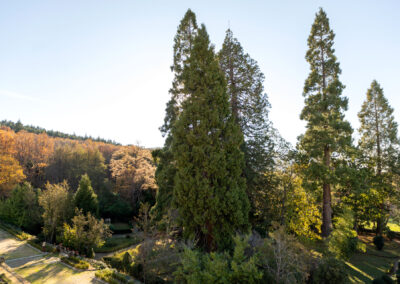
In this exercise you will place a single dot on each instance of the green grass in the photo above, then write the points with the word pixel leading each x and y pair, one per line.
pixel 10 248
pixel 364 267
pixel 392 226
pixel 54 273
pixel 117 243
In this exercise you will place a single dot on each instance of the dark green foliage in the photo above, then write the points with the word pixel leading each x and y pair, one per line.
pixel 379 145
pixel 249 105
pixel 136 270
pixel 328 134
pixel 85 198
pixel 112 205
pixel 384 279
pixel 126 261
pixel 165 173
pixel 209 189
pixel 22 208
pixel 199 267
pixel 379 242
pixel 329 271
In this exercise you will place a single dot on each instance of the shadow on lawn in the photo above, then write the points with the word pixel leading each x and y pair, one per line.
pixel 50 271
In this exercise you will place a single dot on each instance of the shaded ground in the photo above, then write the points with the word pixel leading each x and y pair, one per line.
pixel 364 267
pixel 11 248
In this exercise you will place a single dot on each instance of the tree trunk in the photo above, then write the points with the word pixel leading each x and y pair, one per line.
pixel 327 200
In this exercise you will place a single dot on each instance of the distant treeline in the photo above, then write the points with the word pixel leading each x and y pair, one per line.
pixel 18 126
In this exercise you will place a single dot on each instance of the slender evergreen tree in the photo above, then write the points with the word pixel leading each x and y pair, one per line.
pixel 166 170
pixel 379 144
pixel 85 198
pixel 250 106
pixel 328 134
pixel 210 192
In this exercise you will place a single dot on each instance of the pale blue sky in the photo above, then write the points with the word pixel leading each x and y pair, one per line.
pixel 101 67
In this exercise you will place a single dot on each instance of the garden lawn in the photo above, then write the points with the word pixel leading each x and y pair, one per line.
pixel 53 273
pixel 364 267
pixel 118 242
pixel 10 248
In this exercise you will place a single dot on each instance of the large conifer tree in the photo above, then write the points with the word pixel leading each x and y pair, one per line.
pixel 165 172
pixel 210 192
pixel 250 106
pixel 379 144
pixel 327 134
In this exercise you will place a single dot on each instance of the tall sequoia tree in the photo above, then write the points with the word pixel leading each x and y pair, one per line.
pixel 379 144
pixel 165 172
pixel 328 134
pixel 210 192
pixel 249 106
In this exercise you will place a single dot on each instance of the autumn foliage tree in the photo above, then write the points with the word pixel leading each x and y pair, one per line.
pixel 132 169
pixel 11 173
pixel 33 152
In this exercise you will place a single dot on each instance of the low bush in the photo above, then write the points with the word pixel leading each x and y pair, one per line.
pixel 343 241
pixel 113 277
pixel 75 262
pixel 379 242
pixel 329 271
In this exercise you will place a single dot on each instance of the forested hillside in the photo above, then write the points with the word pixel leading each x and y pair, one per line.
pixel 226 199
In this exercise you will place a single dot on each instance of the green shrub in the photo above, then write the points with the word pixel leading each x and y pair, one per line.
pixel 343 241
pixel 106 275
pixel 379 242
pixel 120 277
pixel 75 262
pixel 126 262
pixel 199 267
pixel 329 270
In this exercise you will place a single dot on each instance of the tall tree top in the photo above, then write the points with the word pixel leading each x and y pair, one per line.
pixel 378 129
pixel 324 103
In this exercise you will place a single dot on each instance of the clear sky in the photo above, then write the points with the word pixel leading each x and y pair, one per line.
pixel 101 67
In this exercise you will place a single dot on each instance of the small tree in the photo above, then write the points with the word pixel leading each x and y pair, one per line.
pixel 85 198
pixel 86 232
pixel 55 202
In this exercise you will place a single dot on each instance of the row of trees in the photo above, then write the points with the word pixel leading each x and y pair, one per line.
pixel 122 176
pixel 224 168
